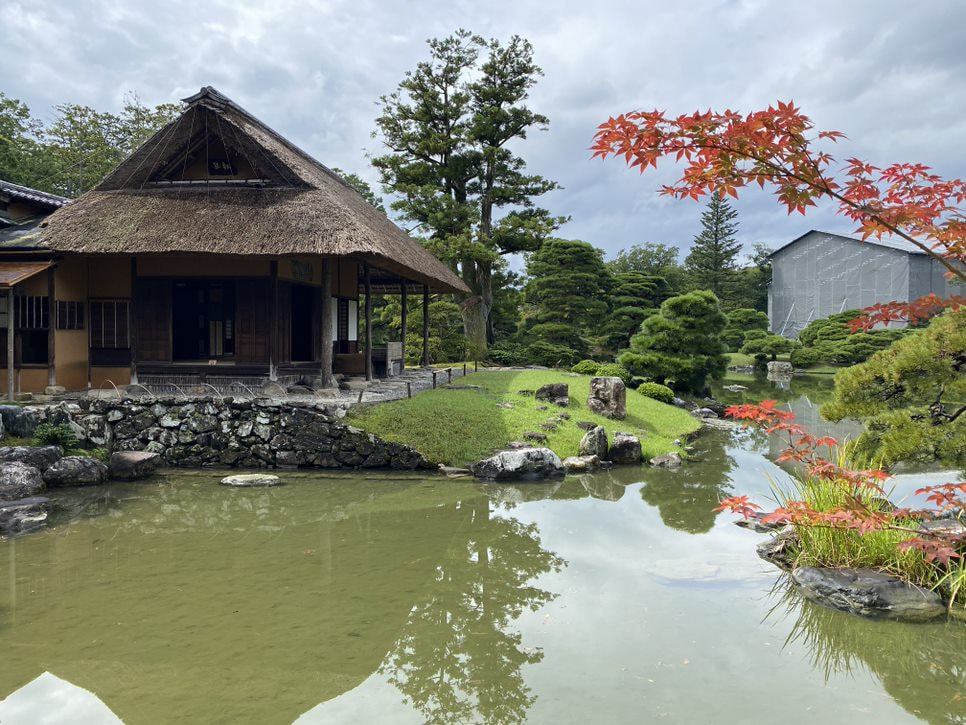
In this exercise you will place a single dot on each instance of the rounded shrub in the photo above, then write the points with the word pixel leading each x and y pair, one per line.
pixel 805 357
pixel 586 367
pixel 614 370
pixel 508 353
pixel 658 392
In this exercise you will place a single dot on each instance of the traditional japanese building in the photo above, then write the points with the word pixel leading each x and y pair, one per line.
pixel 217 253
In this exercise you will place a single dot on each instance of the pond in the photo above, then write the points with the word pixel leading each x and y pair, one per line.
pixel 618 597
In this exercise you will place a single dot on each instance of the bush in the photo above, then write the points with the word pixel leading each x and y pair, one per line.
pixel 805 357
pixel 637 381
pixel 508 353
pixel 614 370
pixel 55 435
pixel 585 367
pixel 550 355
pixel 658 392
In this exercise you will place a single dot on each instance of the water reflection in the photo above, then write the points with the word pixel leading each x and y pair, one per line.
pixel 923 667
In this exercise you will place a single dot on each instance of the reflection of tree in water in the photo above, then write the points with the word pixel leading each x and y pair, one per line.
pixel 686 497
pixel 455 660
pixel 922 666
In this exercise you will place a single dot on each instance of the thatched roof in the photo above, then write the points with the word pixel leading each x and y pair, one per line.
pixel 297 206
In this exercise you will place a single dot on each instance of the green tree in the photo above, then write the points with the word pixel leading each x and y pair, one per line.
pixel 681 346
pixel 768 346
pixel 362 186
pixel 831 340
pixel 752 280
pixel 21 158
pixel 712 262
pixel 657 260
pixel 635 296
pixel 912 395
pixel 450 128
pixel 740 322
pixel 446 340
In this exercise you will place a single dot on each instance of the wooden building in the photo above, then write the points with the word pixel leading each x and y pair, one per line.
pixel 217 253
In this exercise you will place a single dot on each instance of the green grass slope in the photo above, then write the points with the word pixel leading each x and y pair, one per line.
pixel 458 426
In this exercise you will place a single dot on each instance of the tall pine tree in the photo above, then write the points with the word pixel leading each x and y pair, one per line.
pixel 713 260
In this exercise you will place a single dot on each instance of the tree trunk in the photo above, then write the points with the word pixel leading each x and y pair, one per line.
pixel 475 308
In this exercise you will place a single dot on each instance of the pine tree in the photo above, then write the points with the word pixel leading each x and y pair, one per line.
pixel 712 262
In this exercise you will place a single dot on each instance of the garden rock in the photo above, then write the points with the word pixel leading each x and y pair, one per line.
pixel 755 522
pixel 513 445
pixel 527 464
pixel 133 465
pixel 556 393
pixel 247 480
pixel 531 435
pixel 581 464
pixel 24 514
pixel 780 369
pixel 626 448
pixel 668 460
pixel 944 527
pixel 40 457
pixel 608 397
pixel 594 442
pixel 682 403
pixel 454 472
pixel 704 413
pixel 19 480
pixel 20 421
pixel 868 593
pixel 76 471
pixel 780 550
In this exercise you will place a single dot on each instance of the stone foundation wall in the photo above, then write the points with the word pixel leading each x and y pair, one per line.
pixel 225 432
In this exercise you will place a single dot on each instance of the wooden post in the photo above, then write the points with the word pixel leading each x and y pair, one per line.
pixel 464 370
pixel 476 366
pixel 404 301
pixel 51 329
pixel 368 286
pixel 449 375
pixel 409 389
pixel 11 375
pixel 325 354
pixel 426 326
pixel 133 320
pixel 273 320
pixel 434 379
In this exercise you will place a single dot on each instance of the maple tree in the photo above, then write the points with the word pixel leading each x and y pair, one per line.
pixel 778 147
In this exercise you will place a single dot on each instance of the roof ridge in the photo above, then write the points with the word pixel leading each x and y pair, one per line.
pixel 35 194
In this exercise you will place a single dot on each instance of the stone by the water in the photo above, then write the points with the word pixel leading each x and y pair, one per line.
pixel 40 457
pixel 76 471
pixel 245 480
pixel 704 413
pixel 626 448
pixel 780 550
pixel 454 472
pixel 133 465
pixel 526 464
pixel 608 397
pixel 23 514
pixel 581 464
pixel 19 480
pixel 594 442
pixel 868 593
pixel 668 460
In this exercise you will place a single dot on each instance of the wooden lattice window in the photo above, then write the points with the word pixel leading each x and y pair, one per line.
pixel 110 325
pixel 70 315
pixel 32 312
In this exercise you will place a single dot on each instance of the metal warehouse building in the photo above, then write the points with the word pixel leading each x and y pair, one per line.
pixel 820 274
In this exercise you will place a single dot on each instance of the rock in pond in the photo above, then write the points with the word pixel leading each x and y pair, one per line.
pixel 780 368
pixel 455 472
pixel 608 397
pixel 24 514
pixel 780 550
pixel 556 393
pixel 40 457
pixel 668 460
pixel 76 471
pixel 133 465
pixel 527 464
pixel 868 593
pixel 18 480
pixel 246 480
pixel 704 413
pixel 594 442
pixel 581 464
pixel 626 448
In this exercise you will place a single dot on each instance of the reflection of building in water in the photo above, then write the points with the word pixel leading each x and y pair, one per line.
pixel 927 679
pixel 203 605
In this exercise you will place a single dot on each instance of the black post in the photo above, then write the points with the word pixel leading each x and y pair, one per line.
pixel 51 327
pixel 425 325
pixel 133 320
pixel 368 286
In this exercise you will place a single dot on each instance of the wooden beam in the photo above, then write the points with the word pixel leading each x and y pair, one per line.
pixel 273 320
pixel 11 373
pixel 51 329
pixel 404 301
pixel 325 354
pixel 425 325
pixel 133 319
pixel 368 286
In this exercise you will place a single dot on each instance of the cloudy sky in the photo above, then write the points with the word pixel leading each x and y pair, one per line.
pixel 887 73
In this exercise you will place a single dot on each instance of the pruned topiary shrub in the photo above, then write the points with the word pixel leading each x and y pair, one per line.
pixel 658 392
pixel 508 353
pixel 585 367
pixel 614 370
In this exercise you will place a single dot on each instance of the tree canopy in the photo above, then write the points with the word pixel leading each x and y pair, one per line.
pixel 712 262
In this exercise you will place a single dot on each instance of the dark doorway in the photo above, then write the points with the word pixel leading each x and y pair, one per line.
pixel 203 320
pixel 302 337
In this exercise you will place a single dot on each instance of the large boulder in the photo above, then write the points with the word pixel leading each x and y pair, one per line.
pixel 626 448
pixel 556 393
pixel 868 593
pixel 40 457
pixel 20 421
pixel 780 369
pixel 608 397
pixel 133 465
pixel 594 442
pixel 76 471
pixel 23 514
pixel 18 480
pixel 581 464
pixel 527 464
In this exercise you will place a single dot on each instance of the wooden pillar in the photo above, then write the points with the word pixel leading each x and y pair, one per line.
pixel 425 325
pixel 11 373
pixel 133 319
pixel 51 329
pixel 404 301
pixel 325 354
pixel 273 320
pixel 368 286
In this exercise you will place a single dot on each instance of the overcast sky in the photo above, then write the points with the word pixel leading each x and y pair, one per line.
pixel 890 74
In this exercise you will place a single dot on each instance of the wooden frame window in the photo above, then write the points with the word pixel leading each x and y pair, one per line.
pixel 110 326
pixel 32 312
pixel 70 315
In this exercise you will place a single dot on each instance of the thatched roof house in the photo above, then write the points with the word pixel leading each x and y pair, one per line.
pixel 218 249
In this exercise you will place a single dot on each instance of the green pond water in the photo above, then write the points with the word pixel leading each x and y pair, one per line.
pixel 611 598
